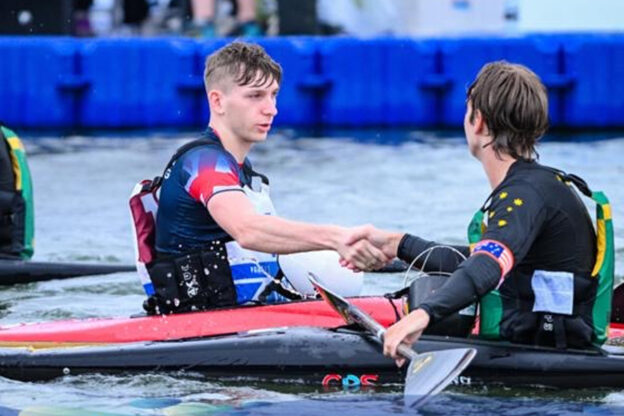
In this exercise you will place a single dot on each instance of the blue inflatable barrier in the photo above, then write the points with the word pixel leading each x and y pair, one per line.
pixel 463 58
pixel 413 83
pixel 138 82
pixel 336 81
pixel 38 81
pixel 596 64
pixel 353 71
pixel 135 82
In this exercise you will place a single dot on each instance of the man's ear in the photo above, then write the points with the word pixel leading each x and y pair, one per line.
pixel 479 123
pixel 215 100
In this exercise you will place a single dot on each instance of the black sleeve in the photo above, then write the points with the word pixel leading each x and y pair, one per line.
pixel 440 260
pixel 473 279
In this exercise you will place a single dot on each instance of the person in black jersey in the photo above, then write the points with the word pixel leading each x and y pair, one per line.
pixel 16 199
pixel 533 247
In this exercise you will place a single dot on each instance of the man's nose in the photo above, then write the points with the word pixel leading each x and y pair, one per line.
pixel 270 107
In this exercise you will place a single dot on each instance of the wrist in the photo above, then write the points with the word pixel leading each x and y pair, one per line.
pixel 421 316
pixel 393 242
pixel 333 238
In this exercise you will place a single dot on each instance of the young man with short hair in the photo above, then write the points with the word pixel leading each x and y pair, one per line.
pixel 533 239
pixel 216 232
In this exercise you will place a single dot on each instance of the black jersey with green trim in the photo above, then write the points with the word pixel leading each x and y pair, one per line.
pixel 547 228
pixel 535 221
pixel 542 221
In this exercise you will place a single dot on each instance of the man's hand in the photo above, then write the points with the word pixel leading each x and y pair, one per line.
pixel 360 254
pixel 406 331
pixel 384 241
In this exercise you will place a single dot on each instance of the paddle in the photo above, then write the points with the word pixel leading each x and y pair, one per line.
pixel 428 373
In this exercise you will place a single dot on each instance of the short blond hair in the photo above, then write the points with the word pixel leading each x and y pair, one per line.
pixel 243 63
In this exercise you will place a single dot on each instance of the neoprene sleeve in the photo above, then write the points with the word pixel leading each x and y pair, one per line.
pixel 439 260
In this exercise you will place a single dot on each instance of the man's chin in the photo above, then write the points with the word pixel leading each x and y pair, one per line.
pixel 257 138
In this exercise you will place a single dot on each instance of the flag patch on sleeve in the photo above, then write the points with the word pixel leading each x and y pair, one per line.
pixel 498 251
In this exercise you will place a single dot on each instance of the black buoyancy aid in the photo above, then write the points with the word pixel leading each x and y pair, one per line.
pixel 553 326
pixel 16 199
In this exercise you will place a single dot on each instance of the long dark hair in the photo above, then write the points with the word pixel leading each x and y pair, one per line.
pixel 514 105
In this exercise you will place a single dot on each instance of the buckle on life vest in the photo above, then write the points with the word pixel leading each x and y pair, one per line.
pixel 190 282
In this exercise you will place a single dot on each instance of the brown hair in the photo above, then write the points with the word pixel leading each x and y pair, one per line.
pixel 514 105
pixel 243 63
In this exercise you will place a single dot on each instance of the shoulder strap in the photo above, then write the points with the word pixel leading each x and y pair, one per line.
pixel 249 172
pixel 157 181
pixel 7 175
pixel 186 147
pixel 578 182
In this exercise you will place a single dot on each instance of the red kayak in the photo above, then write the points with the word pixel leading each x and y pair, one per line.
pixel 314 313
pixel 298 341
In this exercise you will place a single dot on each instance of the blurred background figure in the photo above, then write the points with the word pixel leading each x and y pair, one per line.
pixel 367 18
pixel 205 13
pixel 361 17
pixel 81 22
pixel 135 13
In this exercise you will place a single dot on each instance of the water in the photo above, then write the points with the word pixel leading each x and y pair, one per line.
pixel 425 183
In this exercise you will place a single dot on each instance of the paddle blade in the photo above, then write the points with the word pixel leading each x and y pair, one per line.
pixel 429 373
pixel 337 302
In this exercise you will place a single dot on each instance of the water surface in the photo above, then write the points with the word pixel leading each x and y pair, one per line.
pixel 425 183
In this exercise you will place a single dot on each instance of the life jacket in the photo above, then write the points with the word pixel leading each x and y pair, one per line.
pixel 16 199
pixel 552 323
pixel 221 274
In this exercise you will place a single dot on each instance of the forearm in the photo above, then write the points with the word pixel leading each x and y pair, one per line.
pixel 441 260
pixel 273 234
pixel 474 278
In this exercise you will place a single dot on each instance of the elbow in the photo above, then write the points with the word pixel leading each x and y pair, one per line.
pixel 247 239
pixel 246 236
pixel 483 272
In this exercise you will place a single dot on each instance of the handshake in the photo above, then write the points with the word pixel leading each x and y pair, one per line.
pixel 366 248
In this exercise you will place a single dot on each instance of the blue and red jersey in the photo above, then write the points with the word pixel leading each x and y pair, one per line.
pixel 183 222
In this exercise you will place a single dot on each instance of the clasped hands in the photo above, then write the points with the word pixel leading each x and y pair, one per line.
pixel 367 248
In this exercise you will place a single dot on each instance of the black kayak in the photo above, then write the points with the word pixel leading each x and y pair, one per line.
pixel 312 355
pixel 21 271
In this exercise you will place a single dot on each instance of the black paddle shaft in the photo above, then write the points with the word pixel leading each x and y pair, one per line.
pixel 365 320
